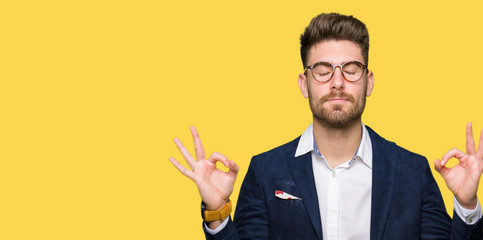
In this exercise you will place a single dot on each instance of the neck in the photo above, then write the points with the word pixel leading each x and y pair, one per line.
pixel 337 145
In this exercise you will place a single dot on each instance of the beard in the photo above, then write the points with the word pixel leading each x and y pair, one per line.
pixel 335 116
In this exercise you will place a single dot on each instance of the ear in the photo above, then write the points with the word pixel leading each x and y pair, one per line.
pixel 302 81
pixel 370 83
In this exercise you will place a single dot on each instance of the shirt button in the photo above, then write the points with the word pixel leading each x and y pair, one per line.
pixel 470 220
pixel 333 174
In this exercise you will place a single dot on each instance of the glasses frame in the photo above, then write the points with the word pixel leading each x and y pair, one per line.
pixel 364 68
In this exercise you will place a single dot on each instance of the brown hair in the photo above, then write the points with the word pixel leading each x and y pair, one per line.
pixel 334 26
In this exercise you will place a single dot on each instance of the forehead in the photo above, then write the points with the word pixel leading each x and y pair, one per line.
pixel 335 52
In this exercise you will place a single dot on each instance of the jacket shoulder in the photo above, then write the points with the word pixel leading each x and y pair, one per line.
pixel 283 151
pixel 380 144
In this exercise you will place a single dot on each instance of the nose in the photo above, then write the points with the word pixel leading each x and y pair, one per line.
pixel 337 81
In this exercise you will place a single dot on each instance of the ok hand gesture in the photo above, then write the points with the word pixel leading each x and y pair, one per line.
pixel 215 186
pixel 463 178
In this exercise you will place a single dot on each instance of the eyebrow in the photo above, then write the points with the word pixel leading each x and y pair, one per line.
pixel 361 62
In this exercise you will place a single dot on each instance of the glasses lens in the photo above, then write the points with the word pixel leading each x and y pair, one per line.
pixel 322 71
pixel 353 71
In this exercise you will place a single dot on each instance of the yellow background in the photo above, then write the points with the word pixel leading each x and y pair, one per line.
pixel 92 94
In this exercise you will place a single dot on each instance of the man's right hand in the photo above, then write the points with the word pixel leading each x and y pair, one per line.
pixel 215 186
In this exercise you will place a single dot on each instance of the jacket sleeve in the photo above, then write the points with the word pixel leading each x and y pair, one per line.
pixel 460 230
pixel 251 217
pixel 435 222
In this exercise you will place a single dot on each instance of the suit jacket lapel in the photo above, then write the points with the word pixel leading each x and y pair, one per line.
pixel 303 176
pixel 383 182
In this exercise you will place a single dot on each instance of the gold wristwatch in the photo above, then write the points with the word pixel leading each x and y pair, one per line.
pixel 219 214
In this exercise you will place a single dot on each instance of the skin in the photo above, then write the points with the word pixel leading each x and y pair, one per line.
pixel 338 143
pixel 214 185
pixel 463 178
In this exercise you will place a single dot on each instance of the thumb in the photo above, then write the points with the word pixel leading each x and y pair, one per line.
pixel 437 165
pixel 234 168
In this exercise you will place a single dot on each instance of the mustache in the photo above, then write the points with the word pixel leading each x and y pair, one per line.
pixel 341 95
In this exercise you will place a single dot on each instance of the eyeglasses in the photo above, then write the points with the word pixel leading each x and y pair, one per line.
pixel 323 71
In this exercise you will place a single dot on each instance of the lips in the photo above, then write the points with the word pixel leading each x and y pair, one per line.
pixel 338 100
pixel 337 97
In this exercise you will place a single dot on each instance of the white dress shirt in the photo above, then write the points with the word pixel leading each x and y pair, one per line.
pixel 345 192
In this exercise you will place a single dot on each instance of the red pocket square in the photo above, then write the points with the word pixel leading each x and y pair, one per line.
pixel 284 195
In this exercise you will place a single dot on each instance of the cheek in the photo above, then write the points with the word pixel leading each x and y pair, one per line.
pixel 317 91
pixel 360 90
pixel 314 99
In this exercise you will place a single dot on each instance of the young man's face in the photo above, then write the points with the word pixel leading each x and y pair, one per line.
pixel 336 103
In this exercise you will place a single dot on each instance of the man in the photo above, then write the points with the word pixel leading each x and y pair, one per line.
pixel 339 179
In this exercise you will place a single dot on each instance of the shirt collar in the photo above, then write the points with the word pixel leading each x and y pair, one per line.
pixel 307 144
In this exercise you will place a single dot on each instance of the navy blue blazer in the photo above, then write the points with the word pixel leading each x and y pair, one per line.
pixel 406 201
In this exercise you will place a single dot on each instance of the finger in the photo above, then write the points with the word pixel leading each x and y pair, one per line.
pixel 479 153
pixel 186 154
pixel 439 167
pixel 470 142
pixel 450 154
pixel 216 156
pixel 182 169
pixel 234 168
pixel 199 150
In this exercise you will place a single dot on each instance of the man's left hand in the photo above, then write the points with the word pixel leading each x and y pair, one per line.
pixel 463 178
